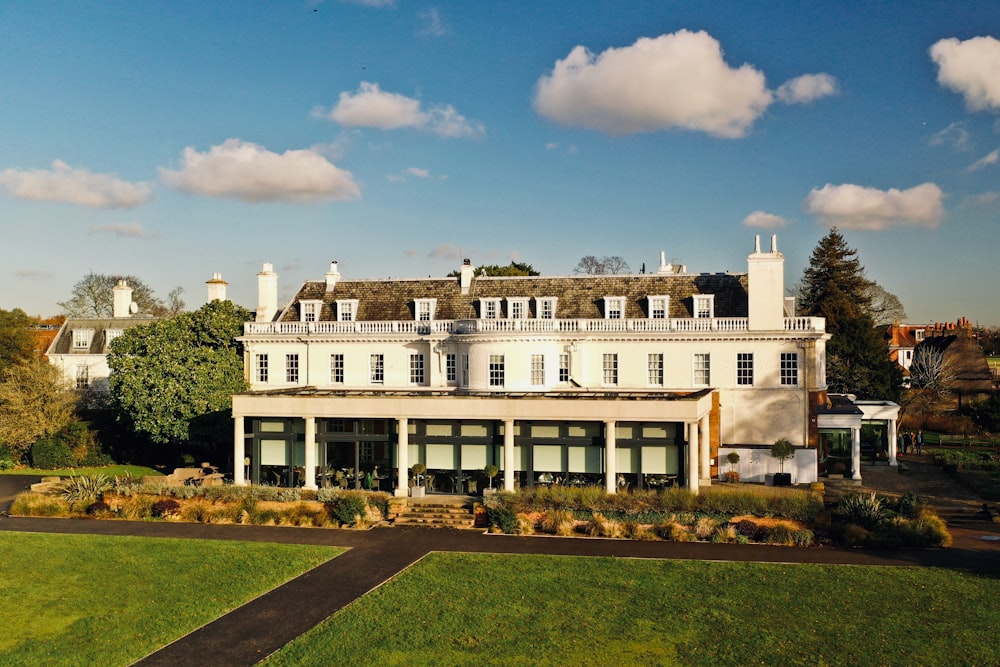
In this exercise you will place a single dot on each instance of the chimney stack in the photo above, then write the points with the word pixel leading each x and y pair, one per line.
pixel 332 276
pixel 267 293
pixel 466 275
pixel 216 288
pixel 122 304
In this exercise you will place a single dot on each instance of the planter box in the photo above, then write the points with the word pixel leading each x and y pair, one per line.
pixel 782 479
pixel 417 491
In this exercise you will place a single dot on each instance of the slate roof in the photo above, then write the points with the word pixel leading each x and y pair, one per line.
pixel 63 343
pixel 579 297
pixel 965 360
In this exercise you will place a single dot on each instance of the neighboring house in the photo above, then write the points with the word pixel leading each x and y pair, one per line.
pixel 628 381
pixel 963 358
pixel 902 339
pixel 80 348
pixel 45 332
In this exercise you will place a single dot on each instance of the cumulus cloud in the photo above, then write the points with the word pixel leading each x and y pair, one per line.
pixel 372 3
pixel 985 161
pixel 65 184
pixel 123 230
pixel 371 106
pixel 970 68
pixel 856 207
pixel 418 172
pixel 987 198
pixel 251 173
pixel 765 220
pixel 955 135
pixel 807 88
pixel 679 80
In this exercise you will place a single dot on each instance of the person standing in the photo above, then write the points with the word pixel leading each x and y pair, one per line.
pixel 907 441
pixel 919 442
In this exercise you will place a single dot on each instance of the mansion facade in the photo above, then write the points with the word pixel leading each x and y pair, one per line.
pixel 627 381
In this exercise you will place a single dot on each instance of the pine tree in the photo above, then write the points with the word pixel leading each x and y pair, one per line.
pixel 834 286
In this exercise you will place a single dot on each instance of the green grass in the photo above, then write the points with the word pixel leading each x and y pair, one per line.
pixel 135 471
pixel 460 609
pixel 98 600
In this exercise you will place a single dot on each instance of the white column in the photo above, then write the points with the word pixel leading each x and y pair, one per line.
pixel 310 453
pixel 892 442
pixel 402 457
pixel 508 455
pixel 705 448
pixel 694 443
pixel 610 457
pixel 239 453
pixel 856 452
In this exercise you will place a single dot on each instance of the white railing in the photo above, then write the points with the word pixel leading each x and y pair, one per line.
pixel 531 326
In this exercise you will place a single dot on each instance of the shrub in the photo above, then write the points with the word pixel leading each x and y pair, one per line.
pixel 554 519
pixel 164 507
pixel 51 453
pixel 503 516
pixel 724 534
pixel 748 529
pixel 39 504
pixel 865 510
pixel 933 529
pixel 87 489
pixel 704 527
pixel 137 507
pixel 855 535
pixel 638 531
pixel 348 507
pixel 6 463
pixel 601 526
pixel 525 525
pixel 305 515
pixel 781 534
pixel 673 531
pixel 803 537
pixel 98 507
pixel 197 511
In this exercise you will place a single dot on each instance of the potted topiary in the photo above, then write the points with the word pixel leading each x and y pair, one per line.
pixel 417 490
pixel 782 450
pixel 490 471
pixel 734 474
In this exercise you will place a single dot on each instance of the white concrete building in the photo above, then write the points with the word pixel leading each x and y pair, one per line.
pixel 628 381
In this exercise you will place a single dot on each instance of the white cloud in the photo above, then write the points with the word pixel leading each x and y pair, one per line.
pixel 856 207
pixel 370 106
pixel 445 252
pixel 985 161
pixel 32 274
pixel 251 173
pixel 807 88
pixel 677 80
pixel 987 198
pixel 431 24
pixel 418 172
pixel 372 3
pixel 765 220
pixel 74 186
pixel 956 135
pixel 122 230
pixel 971 68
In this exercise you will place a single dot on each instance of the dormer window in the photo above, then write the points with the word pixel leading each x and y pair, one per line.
pixel 659 307
pixel 919 334
pixel 517 309
pixel 110 335
pixel 545 307
pixel 309 311
pixel 704 306
pixel 614 307
pixel 489 309
pixel 347 310
pixel 423 309
pixel 82 339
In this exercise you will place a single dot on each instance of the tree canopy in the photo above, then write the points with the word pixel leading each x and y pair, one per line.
pixel 512 269
pixel 172 379
pixel 35 401
pixel 93 296
pixel 17 341
pixel 834 286
pixel 606 265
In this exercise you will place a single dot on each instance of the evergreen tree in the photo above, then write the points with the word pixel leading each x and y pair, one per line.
pixel 834 286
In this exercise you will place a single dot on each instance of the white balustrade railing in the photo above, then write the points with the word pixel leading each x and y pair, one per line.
pixel 529 326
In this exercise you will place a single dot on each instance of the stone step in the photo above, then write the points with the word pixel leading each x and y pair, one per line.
pixel 469 522
pixel 436 515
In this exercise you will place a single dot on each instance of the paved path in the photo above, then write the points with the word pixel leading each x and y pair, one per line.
pixel 262 626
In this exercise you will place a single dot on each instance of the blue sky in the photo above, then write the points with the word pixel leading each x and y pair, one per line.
pixel 172 140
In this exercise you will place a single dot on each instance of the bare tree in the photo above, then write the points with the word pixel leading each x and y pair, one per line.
pixel 885 307
pixel 93 296
pixel 930 370
pixel 592 266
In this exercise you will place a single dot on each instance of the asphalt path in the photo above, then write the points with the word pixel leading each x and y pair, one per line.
pixel 248 634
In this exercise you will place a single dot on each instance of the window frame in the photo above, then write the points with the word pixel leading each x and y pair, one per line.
pixel 564 367
pixel 292 368
pixel 489 309
pixel 609 369
pixel 497 370
pixel 789 369
pixel 337 368
pixel 376 368
pixel 655 375
pixel 310 310
pixel 653 308
pixel 451 367
pixel 703 306
pixel 418 368
pixel 347 310
pixel 701 369
pixel 518 308
pixel 614 308
pixel 422 307
pixel 537 370
pixel 82 339
pixel 261 367
pixel 82 380
pixel 545 307
pixel 744 369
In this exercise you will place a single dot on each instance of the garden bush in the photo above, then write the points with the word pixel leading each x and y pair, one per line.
pixel 39 504
pixel 51 453
pixel 98 507
pixel 348 507
pixel 164 507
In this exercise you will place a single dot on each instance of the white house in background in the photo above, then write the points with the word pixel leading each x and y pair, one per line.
pixel 80 349
pixel 627 381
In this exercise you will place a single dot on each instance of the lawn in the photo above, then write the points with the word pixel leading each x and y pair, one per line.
pixel 459 609
pixel 86 600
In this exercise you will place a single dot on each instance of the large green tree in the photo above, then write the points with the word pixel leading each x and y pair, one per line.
pixel 172 379
pixel 35 401
pixel 834 286
pixel 93 296
pixel 512 269
pixel 17 341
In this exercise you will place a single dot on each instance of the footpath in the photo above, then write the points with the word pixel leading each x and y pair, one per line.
pixel 262 626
